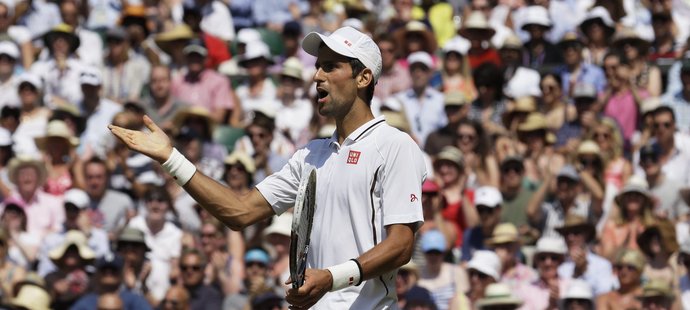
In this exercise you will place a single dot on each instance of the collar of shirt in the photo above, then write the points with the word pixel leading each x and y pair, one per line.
pixel 412 95
pixel 362 131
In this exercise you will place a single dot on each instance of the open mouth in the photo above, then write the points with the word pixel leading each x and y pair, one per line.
pixel 321 94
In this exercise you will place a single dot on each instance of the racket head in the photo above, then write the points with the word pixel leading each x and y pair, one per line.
pixel 301 226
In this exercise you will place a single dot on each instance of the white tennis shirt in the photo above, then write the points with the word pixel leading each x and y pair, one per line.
pixel 373 180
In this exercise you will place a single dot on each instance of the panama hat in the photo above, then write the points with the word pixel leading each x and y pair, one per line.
pixel 575 222
pixel 524 104
pixel 31 296
pixel 656 288
pixel 498 294
pixel 73 238
pixel 415 26
pixel 62 29
pixel 133 235
pixel 477 23
pixel 452 154
pixel 56 129
pixel 193 111
pixel 241 158
pixel 600 15
pixel 397 120
pixel 633 258
pixel 23 160
pixel 292 67
pixel 635 184
pixel 512 41
pixel 588 147
pixel 178 32
pixel 536 15
pixel 554 245
pixel 504 233
pixel 534 121
pixel 665 231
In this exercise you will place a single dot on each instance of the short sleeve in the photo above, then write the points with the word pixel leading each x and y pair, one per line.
pixel 280 188
pixel 404 172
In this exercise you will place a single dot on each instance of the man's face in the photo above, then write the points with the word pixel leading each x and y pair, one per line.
pixel 664 126
pixel 90 91
pixel 192 270
pixel 28 94
pixel 27 181
pixel 175 299
pixel 69 13
pixel 627 274
pixel 611 67
pixel 505 252
pixel 387 54
pixel 547 264
pixel 572 54
pixel 260 137
pixel 420 74
pixel 511 175
pixel 156 209
pixel 575 238
pixel 255 270
pixel 336 88
pixel 685 79
pixel 132 252
pixel 567 189
pixel 256 67
pixel 117 47
pixel 209 238
pixel 96 177
pixel 650 164
pixel 109 277
pixel 489 215
pixel 160 82
pixel 6 64
pixel 195 62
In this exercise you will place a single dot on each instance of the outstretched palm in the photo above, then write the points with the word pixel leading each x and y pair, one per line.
pixel 154 144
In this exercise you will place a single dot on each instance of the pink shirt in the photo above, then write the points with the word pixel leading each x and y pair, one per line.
pixel 519 275
pixel 212 91
pixel 44 212
pixel 393 81
pixel 623 109
pixel 535 295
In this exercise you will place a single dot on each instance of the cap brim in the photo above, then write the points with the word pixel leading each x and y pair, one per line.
pixel 313 40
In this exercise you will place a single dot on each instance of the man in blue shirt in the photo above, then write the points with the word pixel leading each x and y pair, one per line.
pixel 575 70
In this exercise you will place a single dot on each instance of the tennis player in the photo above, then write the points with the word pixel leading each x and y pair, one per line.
pixel 368 191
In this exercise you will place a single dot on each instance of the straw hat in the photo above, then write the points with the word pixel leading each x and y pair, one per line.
pixel 73 238
pixel 293 68
pixel 504 233
pixel 554 245
pixel 458 45
pixel 536 15
pixel 281 225
pixel 57 129
pixel 575 222
pixel 600 15
pixel 635 184
pixel 242 158
pixel 629 35
pixel 397 120
pixel 476 22
pixel 569 38
pixel 512 41
pixel 64 30
pixel 21 161
pixel 498 294
pixel 656 288
pixel 649 105
pixel 31 296
pixel 534 121
pixel 415 26
pixel 178 32
pixel 633 258
pixel 455 98
pixel 525 104
pixel 588 147
pixel 193 111
pixel 662 229
pixel 452 154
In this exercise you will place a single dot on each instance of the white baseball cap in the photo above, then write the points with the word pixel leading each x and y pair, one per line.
pixel 77 197
pixel 486 262
pixel 349 42
pixel 487 196
pixel 32 79
pixel 248 35
pixel 578 289
pixel 9 48
pixel 420 57
pixel 90 76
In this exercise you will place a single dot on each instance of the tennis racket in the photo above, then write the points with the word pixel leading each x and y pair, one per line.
pixel 301 226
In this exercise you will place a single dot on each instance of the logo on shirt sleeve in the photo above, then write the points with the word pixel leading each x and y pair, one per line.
pixel 353 157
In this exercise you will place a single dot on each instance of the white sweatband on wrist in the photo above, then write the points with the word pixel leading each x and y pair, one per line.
pixel 345 275
pixel 179 167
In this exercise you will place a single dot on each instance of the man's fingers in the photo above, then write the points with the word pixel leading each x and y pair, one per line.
pixel 150 124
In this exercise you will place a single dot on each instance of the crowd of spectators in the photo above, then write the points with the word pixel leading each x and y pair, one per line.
pixel 556 135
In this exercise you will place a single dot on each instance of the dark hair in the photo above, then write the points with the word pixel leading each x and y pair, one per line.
pixel 264 121
pixel 8 111
pixel 96 160
pixel 357 68
pixel 665 109
pixel 483 146
pixel 193 251
pixel 489 74
pixel 556 77
pixel 159 193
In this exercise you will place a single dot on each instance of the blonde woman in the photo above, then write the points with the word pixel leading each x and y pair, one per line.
pixel 607 135
pixel 456 73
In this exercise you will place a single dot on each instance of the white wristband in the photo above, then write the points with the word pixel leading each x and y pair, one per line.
pixel 345 275
pixel 179 167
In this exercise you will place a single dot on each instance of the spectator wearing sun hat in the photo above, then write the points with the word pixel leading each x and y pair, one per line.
pixel 258 91
pixel 71 259
pixel 498 296
pixel 578 294
pixel 539 52
pixel 34 115
pixel 488 201
pixel 545 291
pixel 483 270
pixel 444 280
pixel 574 70
pixel 9 55
pixel 505 242
pixel 629 266
pixel 76 205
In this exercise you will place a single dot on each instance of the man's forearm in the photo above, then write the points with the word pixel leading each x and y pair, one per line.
pixel 234 211
pixel 390 254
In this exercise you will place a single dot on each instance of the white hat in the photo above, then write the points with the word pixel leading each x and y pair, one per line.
pixel 282 225
pixel 578 289
pixel 5 137
pixel 347 41
pixel 32 79
pixel 525 82
pixel 256 49
pixel 459 45
pixel 554 245
pixel 487 196
pixel 420 57
pixel 248 35
pixel 9 48
pixel 601 13
pixel 486 262
pixel 90 76
pixel 536 15
pixel 77 197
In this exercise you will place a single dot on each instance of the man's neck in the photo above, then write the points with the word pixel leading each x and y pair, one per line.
pixel 626 289
pixel 155 226
pixel 511 192
pixel 90 105
pixel 355 118
pixel 574 67
pixel 161 102
pixel 654 179
pixel 27 197
pixel 419 91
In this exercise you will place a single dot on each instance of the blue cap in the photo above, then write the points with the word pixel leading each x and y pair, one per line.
pixel 433 240
pixel 419 295
pixel 257 255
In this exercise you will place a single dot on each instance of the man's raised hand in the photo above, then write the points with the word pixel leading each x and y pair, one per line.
pixel 155 144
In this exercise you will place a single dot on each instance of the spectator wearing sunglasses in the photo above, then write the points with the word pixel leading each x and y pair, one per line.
pixel 162 237
pixel 483 270
pixel 202 296
pixel 666 191
pixel 545 291
pixel 516 191
pixel 584 98
pixel 628 268
pixel 488 201
pixel 505 242
pixel 256 279
pixel 580 262
pixel 616 168
pixel 444 280
pixel 674 155
pixel 590 166
pixel 679 101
